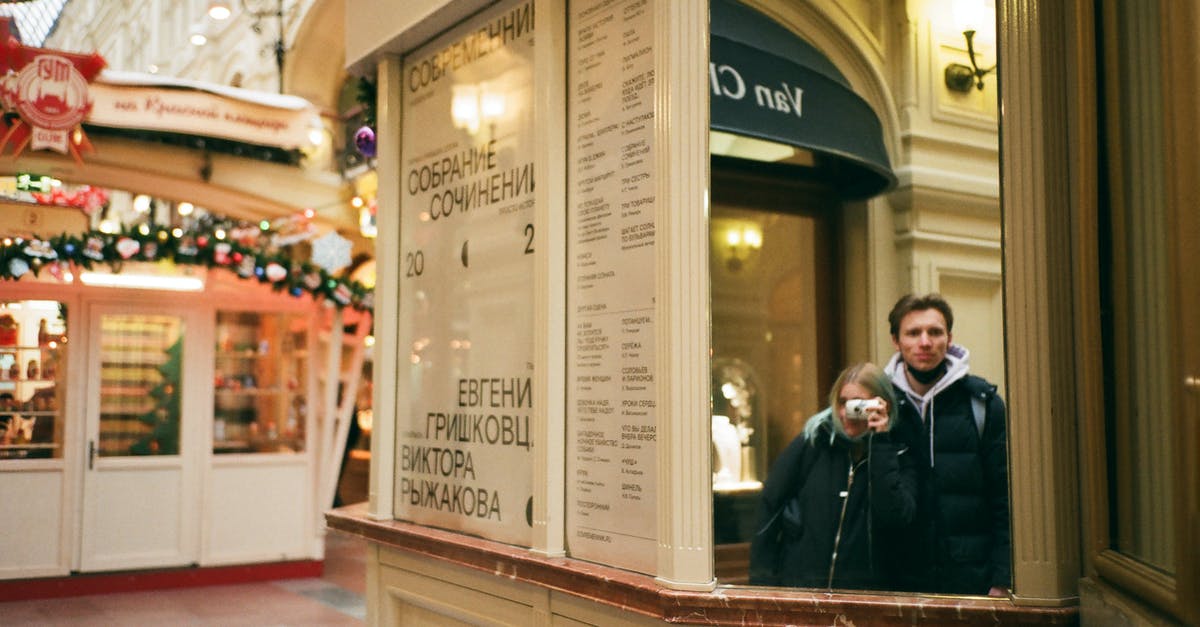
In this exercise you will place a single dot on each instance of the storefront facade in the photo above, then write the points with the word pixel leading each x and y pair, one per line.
pixel 598 508
pixel 175 404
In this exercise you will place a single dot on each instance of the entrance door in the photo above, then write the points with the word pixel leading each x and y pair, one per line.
pixel 141 493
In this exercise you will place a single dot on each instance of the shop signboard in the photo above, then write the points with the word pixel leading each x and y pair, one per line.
pixel 611 429
pixel 463 456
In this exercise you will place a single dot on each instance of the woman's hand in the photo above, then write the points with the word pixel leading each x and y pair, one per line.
pixel 877 418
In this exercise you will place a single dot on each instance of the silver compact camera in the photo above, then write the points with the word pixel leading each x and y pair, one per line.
pixel 857 408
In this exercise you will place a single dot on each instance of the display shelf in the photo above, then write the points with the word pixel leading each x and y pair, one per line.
pixel 32 358
pixel 259 364
pixel 28 451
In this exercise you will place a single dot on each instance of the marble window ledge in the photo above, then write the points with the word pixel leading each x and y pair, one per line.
pixel 640 593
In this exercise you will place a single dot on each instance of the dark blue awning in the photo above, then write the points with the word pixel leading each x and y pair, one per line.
pixel 768 83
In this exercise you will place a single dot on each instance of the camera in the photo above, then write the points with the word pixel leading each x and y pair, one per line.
pixel 856 409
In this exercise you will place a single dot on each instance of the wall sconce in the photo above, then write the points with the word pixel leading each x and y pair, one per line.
pixel 968 16
pixel 961 78
pixel 744 240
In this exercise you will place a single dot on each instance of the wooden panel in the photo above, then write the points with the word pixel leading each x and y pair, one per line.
pixel 258 512
pixel 25 219
pixel 32 519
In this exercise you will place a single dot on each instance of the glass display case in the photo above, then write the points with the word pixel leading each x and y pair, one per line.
pixel 260 403
pixel 33 345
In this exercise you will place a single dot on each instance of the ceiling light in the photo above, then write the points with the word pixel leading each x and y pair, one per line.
pixel 219 10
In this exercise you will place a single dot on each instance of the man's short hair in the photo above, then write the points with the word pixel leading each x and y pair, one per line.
pixel 911 302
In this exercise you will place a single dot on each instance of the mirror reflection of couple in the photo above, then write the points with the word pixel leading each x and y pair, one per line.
pixel 914 497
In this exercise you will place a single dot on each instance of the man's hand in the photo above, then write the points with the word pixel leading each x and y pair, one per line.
pixel 997 591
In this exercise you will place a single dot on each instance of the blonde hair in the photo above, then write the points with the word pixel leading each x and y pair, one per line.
pixel 865 374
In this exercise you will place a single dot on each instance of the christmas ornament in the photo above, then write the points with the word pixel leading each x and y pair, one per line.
pixel 40 249
pixel 187 246
pixel 57 270
pixel 245 267
pixel 275 272
pixel 221 253
pixel 341 294
pixel 312 280
pixel 331 252
pixel 18 267
pixel 93 248
pixel 127 247
pixel 364 140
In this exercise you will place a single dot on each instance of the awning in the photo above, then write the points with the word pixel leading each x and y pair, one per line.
pixel 768 83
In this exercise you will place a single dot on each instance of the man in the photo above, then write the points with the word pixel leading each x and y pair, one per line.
pixel 956 425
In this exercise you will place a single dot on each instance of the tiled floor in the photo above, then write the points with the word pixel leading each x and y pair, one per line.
pixel 334 599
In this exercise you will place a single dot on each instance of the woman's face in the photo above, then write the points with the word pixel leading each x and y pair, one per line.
pixel 851 391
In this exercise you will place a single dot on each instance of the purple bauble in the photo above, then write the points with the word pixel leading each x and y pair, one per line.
pixel 364 140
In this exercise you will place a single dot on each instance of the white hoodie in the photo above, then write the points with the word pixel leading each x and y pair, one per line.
pixel 957 367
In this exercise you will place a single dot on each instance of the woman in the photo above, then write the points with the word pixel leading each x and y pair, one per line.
pixel 837 502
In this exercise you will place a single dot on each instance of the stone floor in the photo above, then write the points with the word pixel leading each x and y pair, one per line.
pixel 336 598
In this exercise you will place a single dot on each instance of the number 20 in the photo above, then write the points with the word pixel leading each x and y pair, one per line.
pixel 415 263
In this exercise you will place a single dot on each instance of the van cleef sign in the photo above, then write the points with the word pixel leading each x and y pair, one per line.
pixel 464 439
pixel 766 82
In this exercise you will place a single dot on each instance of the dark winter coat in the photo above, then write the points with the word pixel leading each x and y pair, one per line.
pixel 962 543
pixel 802 511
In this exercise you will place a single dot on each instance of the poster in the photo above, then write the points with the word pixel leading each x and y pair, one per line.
pixel 463 454
pixel 611 431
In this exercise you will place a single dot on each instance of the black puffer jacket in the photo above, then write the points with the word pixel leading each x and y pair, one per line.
pixel 962 543
pixel 802 509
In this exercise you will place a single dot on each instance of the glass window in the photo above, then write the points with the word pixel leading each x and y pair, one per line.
pixel 141 357
pixel 775 337
pixel 33 357
pixel 260 402
pixel 1147 235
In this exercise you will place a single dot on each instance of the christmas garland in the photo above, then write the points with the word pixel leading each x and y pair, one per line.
pixel 257 256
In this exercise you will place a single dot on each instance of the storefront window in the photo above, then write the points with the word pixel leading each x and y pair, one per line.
pixel 33 350
pixel 259 383
pixel 775 337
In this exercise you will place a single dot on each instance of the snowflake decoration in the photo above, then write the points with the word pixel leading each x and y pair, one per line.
pixel 331 252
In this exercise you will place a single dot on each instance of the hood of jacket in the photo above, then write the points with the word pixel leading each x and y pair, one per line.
pixel 957 367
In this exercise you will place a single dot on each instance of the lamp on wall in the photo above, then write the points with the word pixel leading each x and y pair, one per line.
pixel 473 105
pixel 260 10
pixel 970 15
pixel 743 241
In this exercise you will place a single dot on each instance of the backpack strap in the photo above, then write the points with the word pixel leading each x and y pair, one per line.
pixel 981 392
pixel 979 409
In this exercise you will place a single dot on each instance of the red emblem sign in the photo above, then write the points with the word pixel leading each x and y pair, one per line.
pixel 48 90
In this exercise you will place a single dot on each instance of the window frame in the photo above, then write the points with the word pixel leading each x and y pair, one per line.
pixel 1173 593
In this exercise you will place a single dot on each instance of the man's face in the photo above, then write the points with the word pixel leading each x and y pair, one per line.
pixel 923 339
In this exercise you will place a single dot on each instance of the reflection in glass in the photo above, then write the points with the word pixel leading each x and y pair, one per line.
pixel 141 357
pixel 774 340
pixel 1138 255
